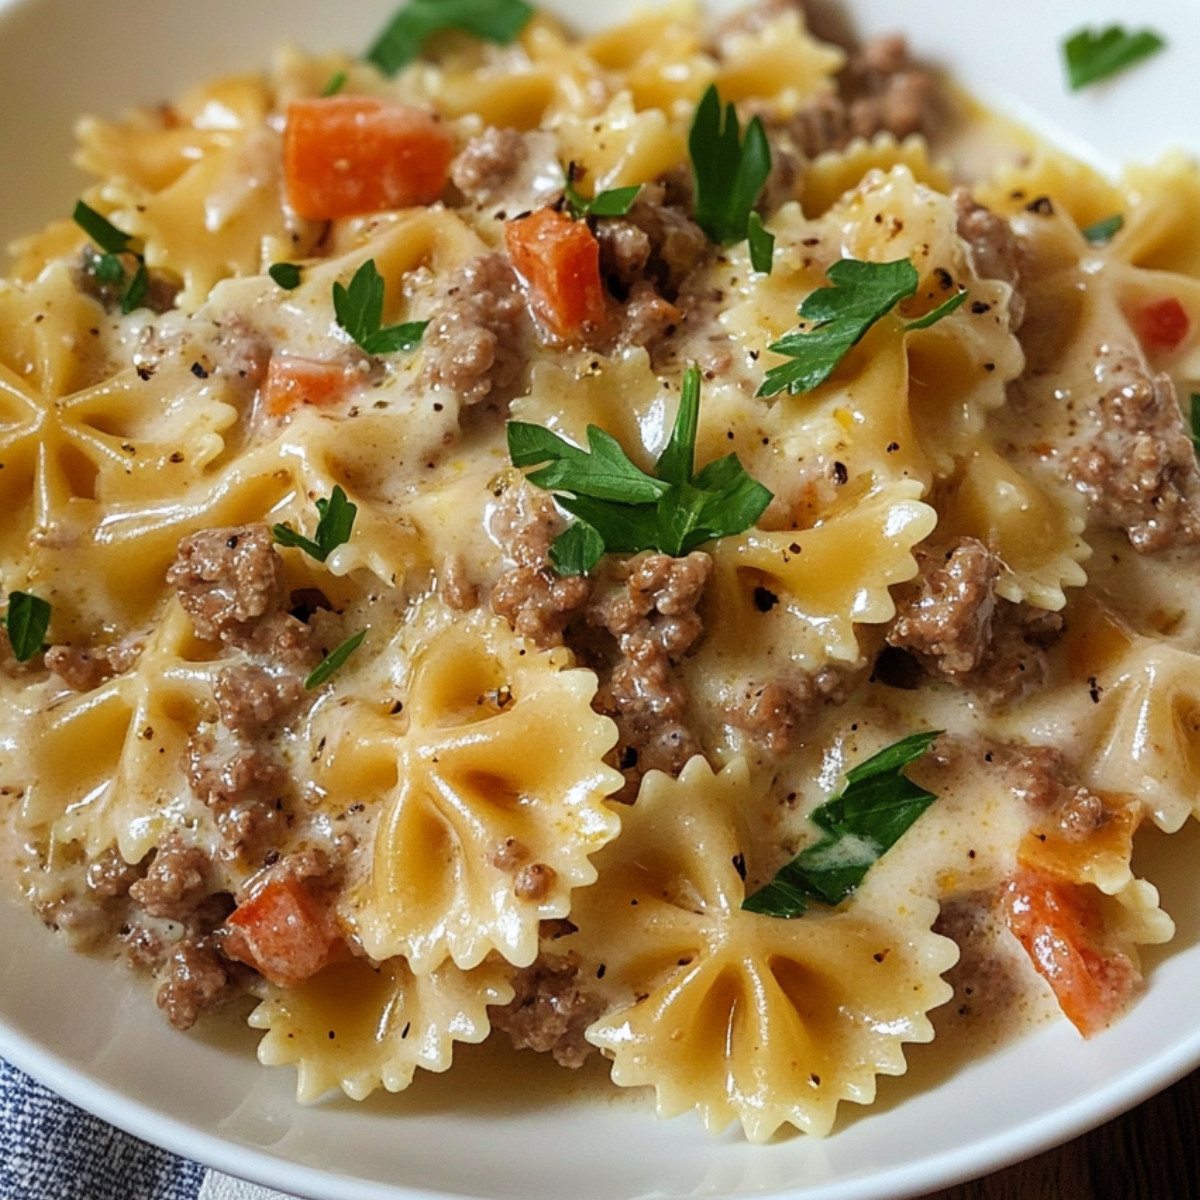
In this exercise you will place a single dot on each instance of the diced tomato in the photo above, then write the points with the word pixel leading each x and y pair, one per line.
pixel 283 933
pixel 559 261
pixel 1061 927
pixel 292 381
pixel 1161 325
pixel 346 155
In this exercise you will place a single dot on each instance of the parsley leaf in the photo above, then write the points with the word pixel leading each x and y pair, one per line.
pixel 401 41
pixel 333 528
pixel 358 309
pixel 839 316
pixel 1195 415
pixel 1103 232
pixel 109 267
pixel 100 229
pixel 334 84
pixel 286 274
pixel 26 621
pixel 622 510
pixel 1091 56
pixel 615 202
pixel 332 661
pixel 729 173
pixel 863 822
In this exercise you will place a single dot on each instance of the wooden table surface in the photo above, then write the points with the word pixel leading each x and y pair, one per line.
pixel 1150 1153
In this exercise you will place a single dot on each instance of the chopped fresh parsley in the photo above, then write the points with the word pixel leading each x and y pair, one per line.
pixel 1195 415
pixel 335 83
pixel 762 244
pixel 403 38
pixel 359 311
pixel 26 621
pixel 622 510
pixel 332 661
pixel 286 274
pixel 336 520
pixel 615 202
pixel 729 173
pixel 108 266
pixel 837 317
pixel 863 822
pixel 1092 55
pixel 1103 232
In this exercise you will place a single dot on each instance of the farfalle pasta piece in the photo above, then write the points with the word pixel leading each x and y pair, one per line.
pixel 358 1026
pixel 906 402
pixel 109 761
pixel 658 54
pixel 58 357
pixel 821 582
pixel 742 1016
pixel 637 145
pixel 1147 731
pixel 499 801
pixel 1036 531
pixel 835 172
pixel 777 60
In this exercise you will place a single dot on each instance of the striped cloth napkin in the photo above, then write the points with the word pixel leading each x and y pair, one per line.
pixel 51 1150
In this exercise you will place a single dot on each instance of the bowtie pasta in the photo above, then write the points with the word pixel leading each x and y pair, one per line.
pixel 617 543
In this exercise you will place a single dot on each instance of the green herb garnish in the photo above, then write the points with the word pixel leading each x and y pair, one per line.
pixel 336 520
pixel 332 661
pixel 26 621
pixel 109 267
pixel 863 822
pixel 622 510
pixel 286 274
pixel 405 35
pixel 1091 56
pixel 1104 231
pixel 837 317
pixel 729 173
pixel 335 83
pixel 1195 415
pixel 358 309
pixel 615 202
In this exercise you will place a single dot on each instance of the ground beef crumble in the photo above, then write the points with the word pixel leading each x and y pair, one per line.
pixel 550 1010
pixel 952 621
pixel 1139 470
pixel 535 600
pixel 476 344
pixel 650 608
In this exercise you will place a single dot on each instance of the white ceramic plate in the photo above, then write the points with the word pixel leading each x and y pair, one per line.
pixel 92 1033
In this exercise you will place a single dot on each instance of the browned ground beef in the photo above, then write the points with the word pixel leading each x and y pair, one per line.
pixel 657 240
pixel 535 600
pixel 489 162
pixel 771 712
pixel 951 620
pixel 1139 469
pixel 550 1010
pixel 228 580
pixel 244 784
pixel 198 978
pixel 476 344
pixel 650 609
pixel 947 618
pixel 1045 779
pixel 250 696
pixel 996 250
pixel 82 669
pixel 176 882
pixel 880 90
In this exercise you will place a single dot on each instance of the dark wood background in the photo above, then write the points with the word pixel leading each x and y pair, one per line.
pixel 1150 1153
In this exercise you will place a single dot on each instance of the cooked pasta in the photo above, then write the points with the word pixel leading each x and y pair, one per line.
pixel 616 542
